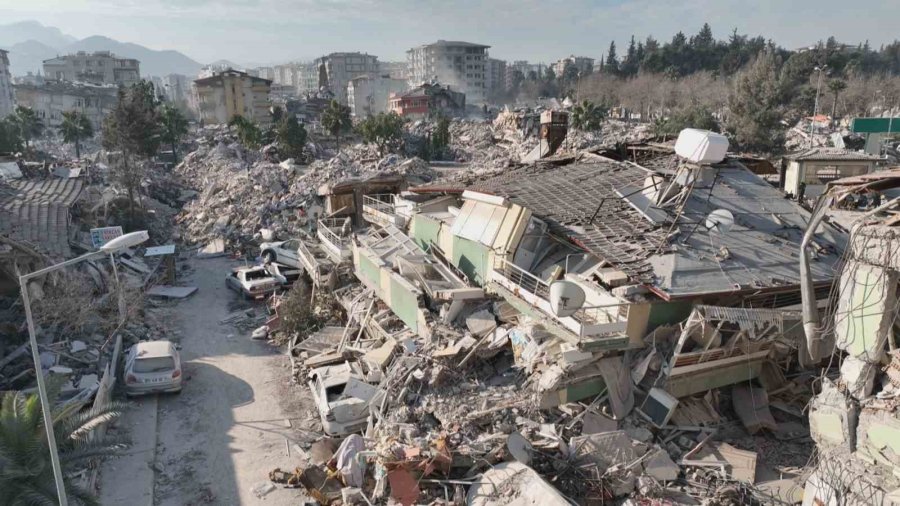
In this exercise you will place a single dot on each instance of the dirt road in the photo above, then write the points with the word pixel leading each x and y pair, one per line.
pixel 233 422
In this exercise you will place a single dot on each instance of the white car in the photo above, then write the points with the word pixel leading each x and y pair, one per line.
pixel 152 366
pixel 283 252
pixel 252 282
pixel 342 398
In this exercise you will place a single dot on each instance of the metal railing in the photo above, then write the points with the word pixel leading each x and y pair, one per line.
pixel 327 227
pixel 524 279
pixel 382 202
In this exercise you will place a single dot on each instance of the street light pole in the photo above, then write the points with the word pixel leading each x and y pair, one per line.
pixel 125 241
pixel 816 106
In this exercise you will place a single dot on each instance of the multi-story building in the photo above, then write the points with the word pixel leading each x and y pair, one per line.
pixel 7 98
pixel 583 64
pixel 51 99
pixel 99 67
pixel 394 69
pixel 265 73
pixel 340 68
pixel 231 93
pixel 428 100
pixel 460 65
pixel 213 68
pixel 367 95
pixel 286 75
pixel 496 75
pixel 176 87
pixel 307 79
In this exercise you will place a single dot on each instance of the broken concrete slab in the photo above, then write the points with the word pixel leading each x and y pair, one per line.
pixel 216 248
pixel 752 406
pixel 513 484
pixel 171 292
pixel 660 466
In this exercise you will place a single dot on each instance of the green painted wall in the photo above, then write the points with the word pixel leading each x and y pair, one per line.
pixel 368 269
pixel 405 304
pixel 424 231
pixel 668 313
pixel 471 258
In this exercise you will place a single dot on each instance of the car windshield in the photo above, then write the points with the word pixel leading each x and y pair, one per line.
pixel 154 364
pixel 254 275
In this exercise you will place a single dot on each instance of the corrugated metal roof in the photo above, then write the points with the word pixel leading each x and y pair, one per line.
pixel 37 212
pixel 825 154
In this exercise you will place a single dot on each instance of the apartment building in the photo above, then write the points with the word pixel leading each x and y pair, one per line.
pixel 7 98
pixel 231 93
pixel 394 69
pixel 337 69
pixel 583 64
pixel 99 67
pixel 367 95
pixel 496 75
pixel 307 79
pixel 460 65
pixel 52 98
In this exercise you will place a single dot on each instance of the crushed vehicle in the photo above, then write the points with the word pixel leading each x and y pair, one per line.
pixel 252 282
pixel 342 397
pixel 152 367
pixel 284 252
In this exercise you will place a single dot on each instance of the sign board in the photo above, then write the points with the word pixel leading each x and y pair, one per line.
pixel 153 251
pixel 875 125
pixel 101 236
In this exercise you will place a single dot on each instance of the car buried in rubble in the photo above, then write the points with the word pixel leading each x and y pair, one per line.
pixel 342 397
pixel 254 282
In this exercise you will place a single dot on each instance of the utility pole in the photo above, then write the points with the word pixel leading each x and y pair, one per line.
pixel 812 122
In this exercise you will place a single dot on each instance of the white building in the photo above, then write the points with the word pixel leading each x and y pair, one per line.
pixel 50 100
pixel 394 69
pixel 307 79
pixel 461 65
pixel 7 97
pixel 340 68
pixel 99 67
pixel 176 87
pixel 583 64
pixel 496 75
pixel 368 96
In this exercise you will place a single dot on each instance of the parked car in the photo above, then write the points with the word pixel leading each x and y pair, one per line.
pixel 284 252
pixel 252 282
pixel 342 397
pixel 152 366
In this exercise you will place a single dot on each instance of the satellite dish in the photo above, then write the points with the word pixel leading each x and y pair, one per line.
pixel 566 297
pixel 720 220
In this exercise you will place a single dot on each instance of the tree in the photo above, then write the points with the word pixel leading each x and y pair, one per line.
pixel 587 116
pixel 440 139
pixel 384 130
pixel 133 129
pixel 174 128
pixel 28 124
pixel 836 86
pixel 75 127
pixel 612 61
pixel 550 74
pixel 291 137
pixel 755 106
pixel 697 116
pixel 336 119
pixel 26 475
pixel 249 135
pixel 10 139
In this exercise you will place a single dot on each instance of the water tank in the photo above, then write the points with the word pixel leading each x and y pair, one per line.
pixel 701 146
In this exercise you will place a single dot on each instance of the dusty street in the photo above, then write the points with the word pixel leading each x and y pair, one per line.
pixel 233 422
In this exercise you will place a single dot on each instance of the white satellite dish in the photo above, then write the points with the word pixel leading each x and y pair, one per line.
pixel 566 298
pixel 720 220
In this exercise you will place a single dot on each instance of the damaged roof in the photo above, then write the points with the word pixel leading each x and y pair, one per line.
pixel 37 212
pixel 826 154
pixel 599 205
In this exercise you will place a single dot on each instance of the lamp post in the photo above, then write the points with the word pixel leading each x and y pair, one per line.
pixel 812 122
pixel 117 244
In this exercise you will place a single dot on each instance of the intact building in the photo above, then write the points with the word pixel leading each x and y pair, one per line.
pixel 50 100
pixel 368 96
pixel 460 65
pixel 307 79
pixel 99 67
pixel 496 75
pixel 582 64
pixel 231 93
pixel 337 69
pixel 7 99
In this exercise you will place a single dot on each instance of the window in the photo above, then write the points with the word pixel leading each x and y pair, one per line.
pixel 153 364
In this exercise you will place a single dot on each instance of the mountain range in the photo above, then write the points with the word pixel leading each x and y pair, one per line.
pixel 30 43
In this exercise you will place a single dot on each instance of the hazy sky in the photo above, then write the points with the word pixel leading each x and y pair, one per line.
pixel 271 31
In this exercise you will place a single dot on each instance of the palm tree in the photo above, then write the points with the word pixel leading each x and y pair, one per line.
pixel 587 116
pixel 836 86
pixel 75 127
pixel 336 119
pixel 26 475
pixel 29 124
pixel 174 128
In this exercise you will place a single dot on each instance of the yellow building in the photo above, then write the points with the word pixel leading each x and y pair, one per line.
pixel 221 97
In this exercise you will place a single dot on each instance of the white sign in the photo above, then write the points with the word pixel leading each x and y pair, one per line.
pixel 101 236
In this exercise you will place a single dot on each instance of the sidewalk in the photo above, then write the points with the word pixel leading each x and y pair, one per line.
pixel 139 424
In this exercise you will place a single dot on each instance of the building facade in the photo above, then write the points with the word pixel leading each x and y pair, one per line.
pixel 53 98
pixel 496 75
pixel 394 69
pixel 368 96
pixel 7 97
pixel 460 65
pixel 337 69
pixel 307 79
pixel 176 87
pixel 99 67
pixel 231 93
pixel 428 100
pixel 582 64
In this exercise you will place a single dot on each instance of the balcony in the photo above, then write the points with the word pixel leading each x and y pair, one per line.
pixel 601 327
pixel 381 209
pixel 334 234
